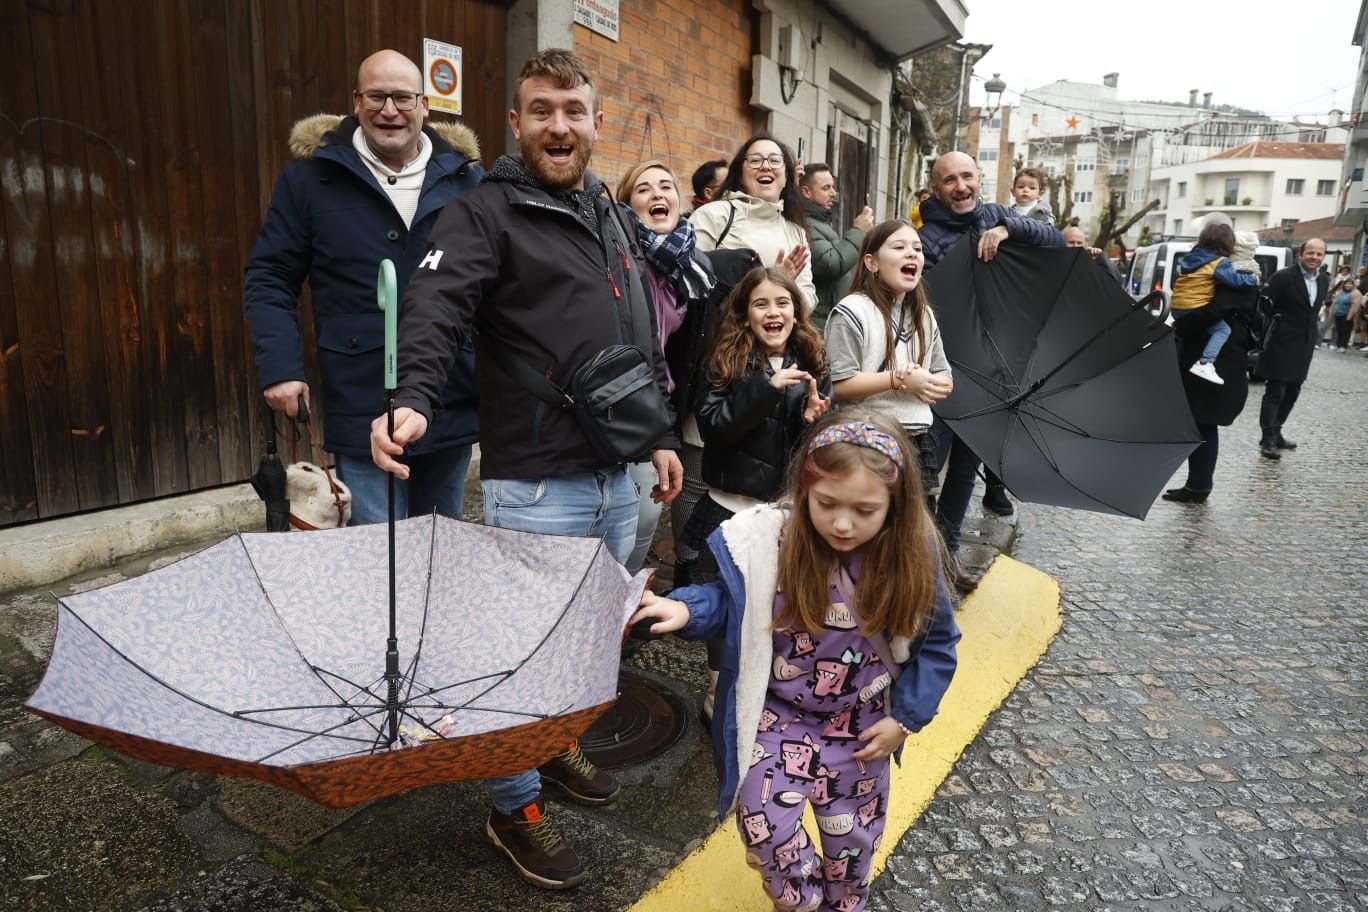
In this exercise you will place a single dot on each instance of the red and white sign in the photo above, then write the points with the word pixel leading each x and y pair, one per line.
pixel 442 75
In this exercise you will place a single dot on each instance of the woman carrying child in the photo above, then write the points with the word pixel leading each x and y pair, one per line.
pixel 1199 272
pixel 883 341
pixel 840 642
pixel 766 381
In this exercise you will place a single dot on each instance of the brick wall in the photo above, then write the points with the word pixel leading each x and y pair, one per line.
pixel 675 87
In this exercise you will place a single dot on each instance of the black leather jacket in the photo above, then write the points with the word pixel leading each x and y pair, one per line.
pixel 750 431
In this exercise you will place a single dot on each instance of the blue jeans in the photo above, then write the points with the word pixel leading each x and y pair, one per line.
pixel 436 482
pixel 1218 332
pixel 593 505
pixel 644 476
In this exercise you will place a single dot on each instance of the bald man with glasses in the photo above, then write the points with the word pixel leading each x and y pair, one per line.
pixel 362 189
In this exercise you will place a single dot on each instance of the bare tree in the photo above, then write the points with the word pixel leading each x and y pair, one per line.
pixel 1061 185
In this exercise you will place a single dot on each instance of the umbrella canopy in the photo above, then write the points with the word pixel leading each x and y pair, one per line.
pixel 1064 386
pixel 263 656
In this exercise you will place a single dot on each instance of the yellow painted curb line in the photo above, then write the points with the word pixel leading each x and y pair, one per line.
pixel 1007 622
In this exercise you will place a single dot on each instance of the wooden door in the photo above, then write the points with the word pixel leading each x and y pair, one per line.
pixel 139 142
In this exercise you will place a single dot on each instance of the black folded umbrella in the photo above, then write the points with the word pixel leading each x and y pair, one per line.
pixel 269 479
pixel 1064 386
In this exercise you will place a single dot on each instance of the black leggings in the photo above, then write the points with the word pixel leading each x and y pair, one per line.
pixel 1342 329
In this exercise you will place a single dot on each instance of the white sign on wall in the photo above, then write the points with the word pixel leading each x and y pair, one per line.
pixel 442 75
pixel 598 16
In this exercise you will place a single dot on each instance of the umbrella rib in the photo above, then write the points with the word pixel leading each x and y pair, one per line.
pixel 280 621
pixel 1035 350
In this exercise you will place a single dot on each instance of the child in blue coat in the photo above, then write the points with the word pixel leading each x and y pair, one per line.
pixel 840 642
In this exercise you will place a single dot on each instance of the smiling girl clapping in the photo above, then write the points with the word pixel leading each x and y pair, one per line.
pixel 883 341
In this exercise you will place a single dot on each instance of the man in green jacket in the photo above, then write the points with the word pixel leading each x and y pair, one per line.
pixel 833 256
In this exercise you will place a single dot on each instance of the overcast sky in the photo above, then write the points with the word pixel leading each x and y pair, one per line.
pixel 1282 59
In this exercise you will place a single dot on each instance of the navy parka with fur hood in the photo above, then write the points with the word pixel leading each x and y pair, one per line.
pixel 331 223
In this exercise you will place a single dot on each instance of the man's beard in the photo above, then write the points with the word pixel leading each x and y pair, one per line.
pixel 557 177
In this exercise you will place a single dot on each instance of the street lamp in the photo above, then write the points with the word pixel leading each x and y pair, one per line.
pixel 993 90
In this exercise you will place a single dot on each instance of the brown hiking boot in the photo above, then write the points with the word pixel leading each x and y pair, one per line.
pixel 539 853
pixel 578 778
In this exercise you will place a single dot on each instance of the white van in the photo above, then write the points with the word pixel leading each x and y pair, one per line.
pixel 1154 268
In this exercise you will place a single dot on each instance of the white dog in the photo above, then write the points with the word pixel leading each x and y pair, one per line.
pixel 312 503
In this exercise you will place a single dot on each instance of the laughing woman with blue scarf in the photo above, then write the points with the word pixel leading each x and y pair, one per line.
pixel 680 282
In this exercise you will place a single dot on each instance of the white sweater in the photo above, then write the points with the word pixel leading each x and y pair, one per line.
pixel 857 342
pixel 757 224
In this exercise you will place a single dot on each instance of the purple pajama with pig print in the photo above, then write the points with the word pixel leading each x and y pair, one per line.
pixel 825 688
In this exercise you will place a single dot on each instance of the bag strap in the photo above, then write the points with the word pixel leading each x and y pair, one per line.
pixel 845 585
pixel 731 216
pixel 303 417
pixel 539 384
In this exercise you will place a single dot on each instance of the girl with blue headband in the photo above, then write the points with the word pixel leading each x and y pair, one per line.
pixel 839 643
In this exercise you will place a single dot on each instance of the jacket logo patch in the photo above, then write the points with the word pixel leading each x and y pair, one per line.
pixel 434 256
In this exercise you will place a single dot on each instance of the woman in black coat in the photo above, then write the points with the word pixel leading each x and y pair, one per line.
pixel 1214 406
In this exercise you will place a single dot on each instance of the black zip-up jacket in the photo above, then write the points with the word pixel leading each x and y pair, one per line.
pixel 530 277
pixel 750 430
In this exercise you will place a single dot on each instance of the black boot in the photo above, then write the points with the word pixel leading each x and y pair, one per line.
pixel 1268 444
pixel 1283 443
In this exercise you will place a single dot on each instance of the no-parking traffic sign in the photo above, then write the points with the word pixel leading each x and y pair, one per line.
pixel 442 75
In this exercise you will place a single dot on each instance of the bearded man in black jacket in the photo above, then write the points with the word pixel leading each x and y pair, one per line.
pixel 535 262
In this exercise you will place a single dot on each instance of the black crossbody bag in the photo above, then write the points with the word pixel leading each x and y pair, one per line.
pixel 613 395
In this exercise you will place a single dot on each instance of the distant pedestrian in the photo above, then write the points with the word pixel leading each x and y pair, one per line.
pixel 1213 406
pixel 841 642
pixel 1074 237
pixel 1297 294
pixel 1344 306
pixel 884 344
pixel 1028 190
pixel 759 207
pixel 707 180
pixel 833 255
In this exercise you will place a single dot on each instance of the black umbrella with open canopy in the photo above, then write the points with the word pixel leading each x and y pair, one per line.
pixel 1064 386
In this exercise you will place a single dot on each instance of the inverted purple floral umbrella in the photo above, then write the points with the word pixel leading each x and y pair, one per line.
pixel 264 656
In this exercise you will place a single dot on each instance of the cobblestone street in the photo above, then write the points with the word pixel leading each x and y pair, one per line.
pixel 1195 737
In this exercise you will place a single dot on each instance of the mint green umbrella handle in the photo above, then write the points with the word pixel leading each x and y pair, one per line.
pixel 386 291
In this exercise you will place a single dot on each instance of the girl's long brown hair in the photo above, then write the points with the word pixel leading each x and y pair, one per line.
pixel 736 352
pixel 868 283
pixel 900 568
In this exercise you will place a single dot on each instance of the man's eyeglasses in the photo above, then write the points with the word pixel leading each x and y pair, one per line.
pixel 756 162
pixel 375 101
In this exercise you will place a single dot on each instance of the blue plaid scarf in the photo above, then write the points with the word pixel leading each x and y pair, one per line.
pixel 672 255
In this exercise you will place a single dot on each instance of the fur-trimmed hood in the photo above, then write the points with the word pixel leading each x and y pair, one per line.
pixel 309 135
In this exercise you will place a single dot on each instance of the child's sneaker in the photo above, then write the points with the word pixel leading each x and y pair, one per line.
pixel 1207 371
pixel 539 853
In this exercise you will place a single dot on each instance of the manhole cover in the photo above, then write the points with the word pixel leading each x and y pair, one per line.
pixel 644 723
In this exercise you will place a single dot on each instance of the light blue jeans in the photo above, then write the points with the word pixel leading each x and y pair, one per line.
pixel 436 482
pixel 644 476
pixel 592 505
pixel 1217 334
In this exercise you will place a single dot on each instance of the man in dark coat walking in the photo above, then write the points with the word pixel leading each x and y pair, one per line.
pixel 362 189
pixel 954 211
pixel 1297 294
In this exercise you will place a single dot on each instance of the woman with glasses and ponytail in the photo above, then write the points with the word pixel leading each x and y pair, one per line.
pixel 758 206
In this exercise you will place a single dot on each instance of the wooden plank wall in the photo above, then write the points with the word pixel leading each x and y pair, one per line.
pixel 139 142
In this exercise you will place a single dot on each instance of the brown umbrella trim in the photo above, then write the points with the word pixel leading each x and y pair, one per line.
pixel 356 780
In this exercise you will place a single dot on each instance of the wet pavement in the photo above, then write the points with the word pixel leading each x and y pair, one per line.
pixel 1195 737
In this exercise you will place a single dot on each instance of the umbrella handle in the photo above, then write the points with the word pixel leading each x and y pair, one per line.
pixel 302 414
pixel 386 293
pixel 268 427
